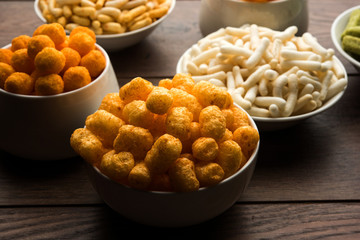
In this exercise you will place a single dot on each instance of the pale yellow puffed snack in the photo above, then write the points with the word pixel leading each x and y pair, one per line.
pixel 159 100
pixel 139 177
pixel 133 139
pixel 163 153
pixel 182 175
pixel 205 149
pixel 212 122
pixel 117 166
pixel 230 157
pixel 178 122
pixel 104 125
pixel 247 137
pixel 112 104
pixel 208 173
pixel 184 99
pixel 88 146
pixel 183 81
pixel 136 113
pixel 208 94
pixel 137 89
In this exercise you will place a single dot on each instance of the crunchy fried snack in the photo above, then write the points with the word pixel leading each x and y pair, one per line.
pixel 5 71
pixel 159 100
pixel 227 136
pixel 38 43
pixel 160 182
pixel 136 113
pixel 88 146
pixel 240 118
pixel 112 104
pixel 184 99
pixel 182 175
pixel 137 89
pixel 104 125
pixel 229 157
pixel 205 149
pixel 54 30
pixel 163 153
pixel 209 173
pixel 72 58
pixel 208 94
pixel 49 60
pixel 49 85
pixel 95 62
pixel 229 117
pixel 5 55
pixel 158 126
pixel 139 177
pixel 20 83
pixel 178 122
pixel 247 137
pixel 19 42
pixel 87 30
pixel 212 122
pixel 183 81
pixel 21 61
pixel 82 42
pixel 76 77
pixel 117 166
pixel 133 139
pixel 166 83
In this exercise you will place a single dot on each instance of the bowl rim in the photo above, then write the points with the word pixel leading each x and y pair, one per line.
pixel 251 160
pixel 106 69
pixel 107 36
pixel 336 39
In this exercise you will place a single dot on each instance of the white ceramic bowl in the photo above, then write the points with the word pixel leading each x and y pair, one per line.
pixel 337 29
pixel 116 42
pixel 277 15
pixel 39 127
pixel 170 209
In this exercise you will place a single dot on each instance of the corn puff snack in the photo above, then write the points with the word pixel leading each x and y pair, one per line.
pixel 171 149
pixel 47 58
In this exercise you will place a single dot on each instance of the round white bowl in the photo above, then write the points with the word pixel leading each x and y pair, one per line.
pixel 277 15
pixel 39 127
pixel 171 209
pixel 337 29
pixel 116 42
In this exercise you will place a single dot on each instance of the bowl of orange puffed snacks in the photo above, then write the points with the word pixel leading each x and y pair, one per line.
pixel 172 154
pixel 49 83
pixel 117 23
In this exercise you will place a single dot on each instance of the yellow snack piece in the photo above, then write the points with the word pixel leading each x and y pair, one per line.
pixel 5 55
pixel 5 71
pixel 137 89
pixel 208 94
pixel 212 122
pixel 178 122
pixel 95 62
pixel 76 77
pixel 159 100
pixel 209 173
pixel 20 83
pixel 183 99
pixel 19 42
pixel 49 85
pixel 117 166
pixel 139 177
pixel 72 58
pixel 38 43
pixel 247 137
pixel 166 83
pixel 229 157
pixel 160 182
pixel 184 82
pixel 21 61
pixel 182 175
pixel 54 30
pixel 136 113
pixel 112 104
pixel 86 30
pixel 82 43
pixel 49 60
pixel 240 118
pixel 205 149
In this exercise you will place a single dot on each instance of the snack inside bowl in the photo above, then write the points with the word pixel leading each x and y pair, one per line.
pixel 337 29
pixel 174 209
pixel 119 41
pixel 39 127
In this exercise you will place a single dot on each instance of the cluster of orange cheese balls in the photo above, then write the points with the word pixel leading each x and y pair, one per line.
pixel 50 62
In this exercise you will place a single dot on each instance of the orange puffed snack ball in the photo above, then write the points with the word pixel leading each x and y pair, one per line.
pixel 19 42
pixel 49 60
pixel 72 58
pixel 117 166
pixel 87 30
pixel 179 146
pixel 49 85
pixel 208 94
pixel 20 83
pixel 82 42
pixel 5 55
pixel 95 62
pixel 76 77
pixel 21 61
pixel 53 30
pixel 5 71
pixel 38 43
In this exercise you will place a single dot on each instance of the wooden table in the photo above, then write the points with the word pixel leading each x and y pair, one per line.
pixel 305 185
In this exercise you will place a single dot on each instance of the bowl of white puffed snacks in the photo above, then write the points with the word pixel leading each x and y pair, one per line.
pixel 117 24
pixel 279 78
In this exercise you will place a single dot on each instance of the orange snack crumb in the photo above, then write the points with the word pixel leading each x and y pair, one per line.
pixel 38 43
pixel 85 30
pixel 5 71
pixel 95 62
pixel 82 42
pixel 54 30
pixel 19 42
pixel 49 85
pixel 21 61
pixel 5 55
pixel 72 58
pixel 76 77
pixel 20 83
pixel 49 60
